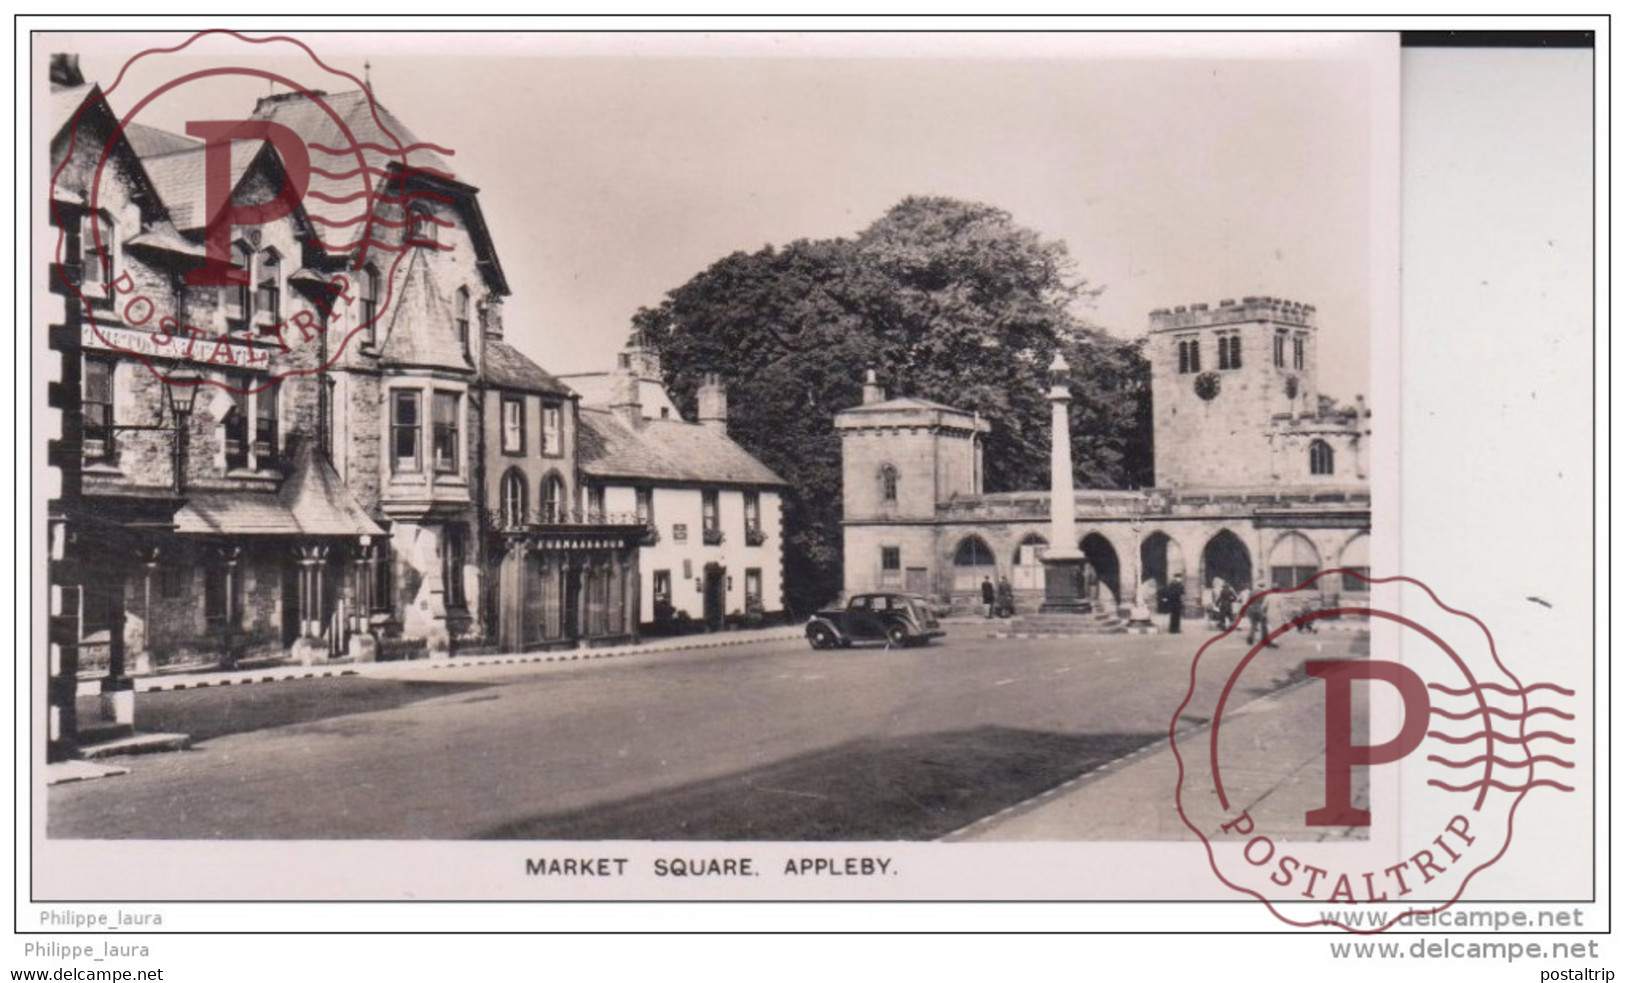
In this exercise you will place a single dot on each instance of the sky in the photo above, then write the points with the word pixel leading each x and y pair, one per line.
pixel 1177 169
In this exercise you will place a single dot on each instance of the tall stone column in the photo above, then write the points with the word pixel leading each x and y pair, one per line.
pixel 1063 561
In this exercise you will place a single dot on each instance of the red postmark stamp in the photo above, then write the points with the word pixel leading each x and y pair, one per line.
pixel 1298 802
pixel 257 245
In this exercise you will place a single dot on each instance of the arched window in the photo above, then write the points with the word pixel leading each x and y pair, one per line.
pixel 888 483
pixel 1293 560
pixel 1320 457
pixel 462 306
pixel 973 562
pixel 268 300
pixel 553 504
pixel 238 297
pixel 369 305
pixel 1027 568
pixel 513 498
pixel 1356 559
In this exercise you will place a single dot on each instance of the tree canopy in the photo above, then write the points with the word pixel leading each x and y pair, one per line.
pixel 946 300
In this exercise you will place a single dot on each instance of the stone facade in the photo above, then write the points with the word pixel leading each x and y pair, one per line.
pixel 1240 494
pixel 338 478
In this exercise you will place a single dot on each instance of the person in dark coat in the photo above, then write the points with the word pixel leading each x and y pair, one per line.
pixel 1227 605
pixel 1175 598
pixel 988 597
pixel 1007 599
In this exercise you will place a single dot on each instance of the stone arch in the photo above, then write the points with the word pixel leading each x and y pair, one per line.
pixel 1103 574
pixel 1162 558
pixel 973 561
pixel 1225 556
pixel 1293 560
pixel 1026 570
pixel 554 502
pixel 1355 556
pixel 514 497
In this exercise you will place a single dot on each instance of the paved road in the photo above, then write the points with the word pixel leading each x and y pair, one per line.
pixel 771 741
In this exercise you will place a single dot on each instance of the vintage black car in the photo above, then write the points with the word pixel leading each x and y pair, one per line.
pixel 896 619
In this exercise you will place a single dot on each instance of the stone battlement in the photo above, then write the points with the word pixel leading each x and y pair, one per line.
pixel 1246 310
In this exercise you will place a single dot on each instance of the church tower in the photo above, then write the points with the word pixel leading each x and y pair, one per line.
pixel 1223 379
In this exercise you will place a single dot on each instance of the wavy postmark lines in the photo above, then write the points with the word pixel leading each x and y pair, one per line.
pixel 267 244
pixel 1296 800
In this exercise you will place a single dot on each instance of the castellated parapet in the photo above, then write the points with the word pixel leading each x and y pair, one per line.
pixel 1274 309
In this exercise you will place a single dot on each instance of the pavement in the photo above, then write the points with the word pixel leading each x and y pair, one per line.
pixel 1132 798
pixel 88 768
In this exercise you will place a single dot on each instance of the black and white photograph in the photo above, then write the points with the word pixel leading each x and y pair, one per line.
pixel 758 466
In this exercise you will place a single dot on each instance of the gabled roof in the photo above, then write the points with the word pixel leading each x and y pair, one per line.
pixel 389 150
pixel 664 451
pixel 420 323
pixel 313 501
pixel 150 141
pixel 509 368
pixel 179 177
pixel 318 499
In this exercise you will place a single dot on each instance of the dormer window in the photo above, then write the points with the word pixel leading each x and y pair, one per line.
pixel 268 299
pixel 425 231
pixel 462 304
pixel 95 255
pixel 369 305
pixel 238 296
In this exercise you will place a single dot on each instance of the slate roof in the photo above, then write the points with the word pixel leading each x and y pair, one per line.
pixel 313 501
pixel 179 178
pixel 336 174
pixel 420 323
pixel 665 450
pixel 510 368
pixel 150 141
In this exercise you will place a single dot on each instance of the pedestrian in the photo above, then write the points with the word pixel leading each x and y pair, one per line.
pixel 1307 626
pixel 1007 598
pixel 1176 604
pixel 987 598
pixel 1257 625
pixel 1274 612
pixel 1226 605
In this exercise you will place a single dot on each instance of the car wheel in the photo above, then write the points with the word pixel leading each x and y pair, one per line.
pixel 897 636
pixel 821 637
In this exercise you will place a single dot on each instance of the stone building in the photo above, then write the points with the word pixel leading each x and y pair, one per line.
pixel 1258 480
pixel 332 449
pixel 713 554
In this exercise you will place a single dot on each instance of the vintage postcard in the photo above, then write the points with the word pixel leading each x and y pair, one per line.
pixel 772 467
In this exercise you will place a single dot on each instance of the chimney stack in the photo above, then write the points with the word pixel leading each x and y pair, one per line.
pixel 873 392
pixel 490 310
pixel 626 402
pixel 713 400
pixel 65 71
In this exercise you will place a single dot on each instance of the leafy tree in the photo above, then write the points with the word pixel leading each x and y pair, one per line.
pixel 947 300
